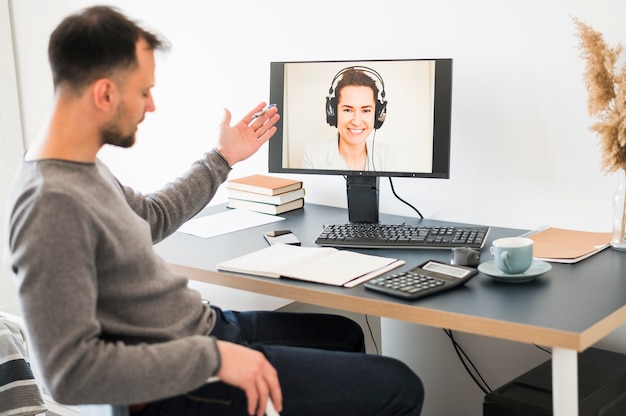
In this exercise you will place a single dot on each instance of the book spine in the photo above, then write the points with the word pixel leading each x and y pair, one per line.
pixel 266 199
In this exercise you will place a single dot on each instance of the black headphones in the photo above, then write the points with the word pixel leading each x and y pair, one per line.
pixel 331 100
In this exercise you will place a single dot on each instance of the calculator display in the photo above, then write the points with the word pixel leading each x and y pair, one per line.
pixel 445 269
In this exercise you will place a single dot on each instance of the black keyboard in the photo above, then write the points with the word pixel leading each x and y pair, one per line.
pixel 365 235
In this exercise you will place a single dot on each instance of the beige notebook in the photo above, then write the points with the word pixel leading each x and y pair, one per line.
pixel 561 245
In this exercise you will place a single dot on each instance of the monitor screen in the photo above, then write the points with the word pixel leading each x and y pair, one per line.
pixel 362 119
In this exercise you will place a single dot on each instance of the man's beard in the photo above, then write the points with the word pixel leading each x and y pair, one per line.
pixel 113 137
pixel 111 134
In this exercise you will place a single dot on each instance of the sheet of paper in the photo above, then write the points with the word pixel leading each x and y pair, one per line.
pixel 226 222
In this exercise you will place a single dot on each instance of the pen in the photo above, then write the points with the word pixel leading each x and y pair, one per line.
pixel 260 113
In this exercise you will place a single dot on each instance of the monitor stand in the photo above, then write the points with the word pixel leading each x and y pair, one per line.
pixel 362 198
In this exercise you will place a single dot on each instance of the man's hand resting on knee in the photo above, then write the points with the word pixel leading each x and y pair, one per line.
pixel 250 371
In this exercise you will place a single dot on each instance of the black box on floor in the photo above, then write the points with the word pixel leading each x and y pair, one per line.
pixel 601 388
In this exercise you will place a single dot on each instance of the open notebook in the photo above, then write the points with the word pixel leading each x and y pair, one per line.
pixel 325 265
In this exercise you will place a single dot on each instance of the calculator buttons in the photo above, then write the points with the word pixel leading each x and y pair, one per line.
pixel 407 282
pixel 429 278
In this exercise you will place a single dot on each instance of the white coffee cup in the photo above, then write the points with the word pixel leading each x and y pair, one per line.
pixel 512 255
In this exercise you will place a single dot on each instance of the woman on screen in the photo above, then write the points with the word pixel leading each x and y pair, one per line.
pixel 357 112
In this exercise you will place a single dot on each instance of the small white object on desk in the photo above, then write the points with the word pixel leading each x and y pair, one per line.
pixel 226 222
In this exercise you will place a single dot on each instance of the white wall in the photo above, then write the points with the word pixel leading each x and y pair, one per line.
pixel 522 153
pixel 11 146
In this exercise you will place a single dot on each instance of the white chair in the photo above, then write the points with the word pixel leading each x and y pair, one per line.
pixel 19 391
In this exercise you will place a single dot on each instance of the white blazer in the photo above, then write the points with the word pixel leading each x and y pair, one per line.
pixel 325 155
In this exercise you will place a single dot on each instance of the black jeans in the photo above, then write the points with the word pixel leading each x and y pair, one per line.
pixel 321 365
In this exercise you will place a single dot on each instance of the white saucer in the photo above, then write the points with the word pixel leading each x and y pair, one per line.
pixel 537 268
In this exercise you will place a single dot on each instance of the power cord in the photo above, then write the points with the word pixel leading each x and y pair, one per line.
pixel 397 196
pixel 369 327
pixel 543 349
pixel 402 200
pixel 467 363
pixel 465 360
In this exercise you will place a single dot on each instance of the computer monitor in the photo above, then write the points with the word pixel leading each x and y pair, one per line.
pixel 363 120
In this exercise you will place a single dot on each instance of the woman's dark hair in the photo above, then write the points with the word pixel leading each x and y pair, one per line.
pixel 93 44
pixel 357 78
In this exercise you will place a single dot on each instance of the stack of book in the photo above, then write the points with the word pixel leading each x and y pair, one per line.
pixel 266 194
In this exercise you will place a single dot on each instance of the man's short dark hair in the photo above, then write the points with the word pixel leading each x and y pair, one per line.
pixel 95 43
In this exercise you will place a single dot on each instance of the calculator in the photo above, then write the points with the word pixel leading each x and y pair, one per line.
pixel 424 280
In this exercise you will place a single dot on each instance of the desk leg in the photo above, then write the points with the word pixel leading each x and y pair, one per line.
pixel 564 382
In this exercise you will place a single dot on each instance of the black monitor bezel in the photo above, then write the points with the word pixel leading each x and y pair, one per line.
pixel 441 123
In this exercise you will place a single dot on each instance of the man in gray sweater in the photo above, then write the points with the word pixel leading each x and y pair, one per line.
pixel 108 320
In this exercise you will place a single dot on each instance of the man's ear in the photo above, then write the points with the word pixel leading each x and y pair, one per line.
pixel 104 93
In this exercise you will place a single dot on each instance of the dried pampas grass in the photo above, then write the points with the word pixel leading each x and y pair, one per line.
pixel 606 86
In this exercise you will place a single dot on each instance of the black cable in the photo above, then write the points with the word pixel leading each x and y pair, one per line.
pixel 393 190
pixel 369 327
pixel 543 349
pixel 464 360
pixel 463 357
pixel 402 200
pixel 373 153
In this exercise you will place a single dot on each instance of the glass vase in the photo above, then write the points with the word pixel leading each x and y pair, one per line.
pixel 619 213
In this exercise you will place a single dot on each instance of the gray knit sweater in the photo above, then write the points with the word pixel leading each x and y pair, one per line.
pixel 108 321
